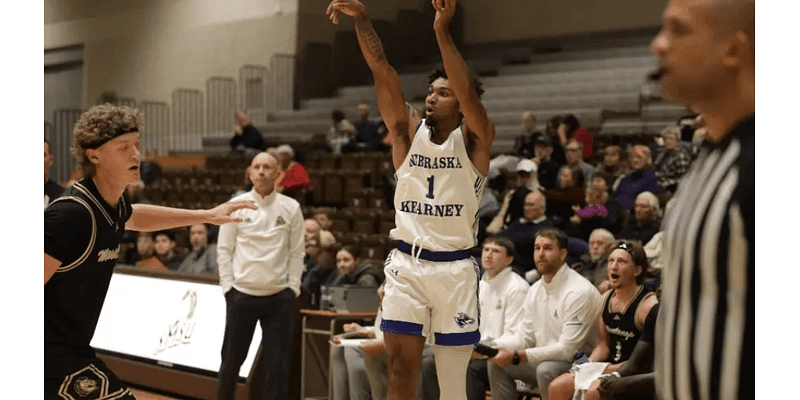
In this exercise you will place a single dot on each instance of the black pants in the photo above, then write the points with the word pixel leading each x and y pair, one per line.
pixel 242 313
pixel 477 379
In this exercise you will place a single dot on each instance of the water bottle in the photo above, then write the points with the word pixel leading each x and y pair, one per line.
pixel 580 358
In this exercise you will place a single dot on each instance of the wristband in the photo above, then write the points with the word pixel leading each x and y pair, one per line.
pixel 515 360
pixel 615 373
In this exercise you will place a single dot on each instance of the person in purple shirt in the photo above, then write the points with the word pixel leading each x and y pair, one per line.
pixel 641 177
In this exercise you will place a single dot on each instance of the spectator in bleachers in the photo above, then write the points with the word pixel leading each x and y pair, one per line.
pixel 612 163
pixel 621 317
pixel 247 139
pixel 323 217
pixel 522 230
pixel 312 244
pixel 672 161
pixel 552 133
pixel 547 165
pixel 51 189
pixel 574 159
pixel 645 221
pixel 593 265
pixel 350 375
pixel 293 177
pixel 602 210
pixel 324 271
pixel 641 177
pixel 570 129
pixel 571 191
pixel 146 256
pixel 340 133
pixel 354 272
pixel 149 169
pixel 559 318
pixel 512 207
pixel 525 143
pixel 202 259
pixel 166 250
pixel 369 132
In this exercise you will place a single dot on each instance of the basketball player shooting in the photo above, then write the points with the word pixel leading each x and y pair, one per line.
pixel 441 162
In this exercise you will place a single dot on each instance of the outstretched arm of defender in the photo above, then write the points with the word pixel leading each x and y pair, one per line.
pixel 460 79
pixel 391 99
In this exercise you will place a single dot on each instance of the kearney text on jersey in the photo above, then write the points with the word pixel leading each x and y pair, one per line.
pixel 435 210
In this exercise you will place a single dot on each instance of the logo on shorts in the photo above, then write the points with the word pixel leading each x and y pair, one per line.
pixel 85 386
pixel 462 319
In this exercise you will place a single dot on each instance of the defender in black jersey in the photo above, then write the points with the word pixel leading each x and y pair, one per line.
pixel 82 231
pixel 706 327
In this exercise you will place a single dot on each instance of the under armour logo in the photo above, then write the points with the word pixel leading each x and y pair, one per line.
pixel 279 221
pixel 463 320
pixel 616 318
pixel 394 271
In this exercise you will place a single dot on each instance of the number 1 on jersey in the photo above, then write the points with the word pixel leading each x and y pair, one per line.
pixel 430 187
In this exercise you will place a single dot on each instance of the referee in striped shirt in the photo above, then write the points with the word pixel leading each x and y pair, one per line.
pixel 705 331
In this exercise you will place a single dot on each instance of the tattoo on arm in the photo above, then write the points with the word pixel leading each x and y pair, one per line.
pixel 367 35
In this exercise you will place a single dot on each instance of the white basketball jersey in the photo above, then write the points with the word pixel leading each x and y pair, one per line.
pixel 438 194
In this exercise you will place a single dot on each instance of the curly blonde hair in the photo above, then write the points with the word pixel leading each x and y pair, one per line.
pixel 99 125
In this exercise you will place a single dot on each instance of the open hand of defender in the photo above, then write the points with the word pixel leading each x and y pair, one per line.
pixel 353 8
pixel 221 214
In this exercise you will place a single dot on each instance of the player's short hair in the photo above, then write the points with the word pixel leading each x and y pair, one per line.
pixel 439 72
pixel 503 242
pixel 553 233
pixel 99 125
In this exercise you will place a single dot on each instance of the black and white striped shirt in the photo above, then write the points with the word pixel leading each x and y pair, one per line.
pixel 706 334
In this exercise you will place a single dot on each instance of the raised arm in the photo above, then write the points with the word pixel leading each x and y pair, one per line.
pixel 400 119
pixel 479 130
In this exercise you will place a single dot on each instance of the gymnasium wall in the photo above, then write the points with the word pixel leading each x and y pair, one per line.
pixel 500 20
pixel 147 48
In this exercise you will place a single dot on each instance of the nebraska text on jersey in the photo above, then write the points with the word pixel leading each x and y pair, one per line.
pixel 434 210
pixel 418 160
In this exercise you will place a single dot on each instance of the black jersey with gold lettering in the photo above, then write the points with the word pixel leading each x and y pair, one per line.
pixel 83 232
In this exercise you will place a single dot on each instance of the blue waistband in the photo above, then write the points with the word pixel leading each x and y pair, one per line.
pixel 439 256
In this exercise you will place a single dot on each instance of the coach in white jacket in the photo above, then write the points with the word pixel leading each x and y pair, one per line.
pixel 260 264
pixel 559 318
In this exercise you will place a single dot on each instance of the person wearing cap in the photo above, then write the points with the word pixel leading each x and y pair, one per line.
pixel 82 233
pixel 548 167
pixel 512 208
pixel 293 177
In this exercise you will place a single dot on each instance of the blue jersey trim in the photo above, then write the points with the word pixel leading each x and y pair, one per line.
pixel 401 327
pixel 457 339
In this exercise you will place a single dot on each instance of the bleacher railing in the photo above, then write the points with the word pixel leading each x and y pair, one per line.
pixel 61 143
pixel 221 105
pixel 187 120
pixel 156 130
